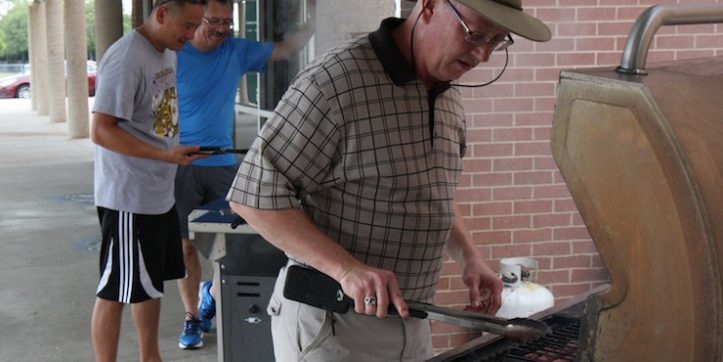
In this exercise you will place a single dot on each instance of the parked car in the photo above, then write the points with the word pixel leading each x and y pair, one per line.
pixel 18 86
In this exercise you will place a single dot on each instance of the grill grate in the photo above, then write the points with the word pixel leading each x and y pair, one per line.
pixel 558 346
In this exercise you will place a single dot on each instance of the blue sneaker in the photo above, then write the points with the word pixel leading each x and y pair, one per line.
pixel 192 337
pixel 206 305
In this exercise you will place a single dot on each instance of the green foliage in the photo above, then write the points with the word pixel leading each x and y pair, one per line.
pixel 14 33
pixel 14 30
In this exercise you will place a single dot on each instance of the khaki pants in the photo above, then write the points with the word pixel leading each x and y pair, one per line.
pixel 305 333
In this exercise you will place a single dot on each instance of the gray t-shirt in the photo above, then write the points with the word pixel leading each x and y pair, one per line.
pixel 137 84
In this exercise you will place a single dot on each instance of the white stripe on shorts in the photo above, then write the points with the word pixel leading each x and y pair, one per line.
pixel 108 268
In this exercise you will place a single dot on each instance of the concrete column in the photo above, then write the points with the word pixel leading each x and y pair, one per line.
pixel 31 52
pixel 139 12
pixel 76 44
pixel 40 89
pixel 108 25
pixel 338 21
pixel 56 59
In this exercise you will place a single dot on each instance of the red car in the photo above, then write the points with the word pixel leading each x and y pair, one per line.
pixel 18 86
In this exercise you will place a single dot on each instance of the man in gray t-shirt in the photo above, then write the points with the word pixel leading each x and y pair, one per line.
pixel 135 127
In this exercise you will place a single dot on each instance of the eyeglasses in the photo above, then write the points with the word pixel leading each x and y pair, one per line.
pixel 217 22
pixel 480 39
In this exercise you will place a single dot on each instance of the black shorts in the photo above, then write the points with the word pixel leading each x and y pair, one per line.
pixel 137 254
pixel 200 185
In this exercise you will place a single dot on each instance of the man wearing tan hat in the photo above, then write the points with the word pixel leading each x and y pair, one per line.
pixel 355 176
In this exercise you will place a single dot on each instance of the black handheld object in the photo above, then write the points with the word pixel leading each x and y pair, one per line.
pixel 219 150
pixel 319 290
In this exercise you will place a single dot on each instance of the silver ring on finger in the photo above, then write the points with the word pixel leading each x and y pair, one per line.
pixel 370 300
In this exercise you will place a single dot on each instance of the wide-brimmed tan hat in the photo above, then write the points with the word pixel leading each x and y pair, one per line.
pixel 508 15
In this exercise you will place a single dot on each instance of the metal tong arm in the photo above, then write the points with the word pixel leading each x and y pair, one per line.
pixel 518 328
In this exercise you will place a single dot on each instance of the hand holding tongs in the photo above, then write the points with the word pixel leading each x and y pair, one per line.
pixel 319 290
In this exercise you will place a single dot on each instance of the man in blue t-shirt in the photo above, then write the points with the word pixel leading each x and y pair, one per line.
pixel 209 69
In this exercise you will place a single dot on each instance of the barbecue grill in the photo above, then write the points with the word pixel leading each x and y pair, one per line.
pixel 641 151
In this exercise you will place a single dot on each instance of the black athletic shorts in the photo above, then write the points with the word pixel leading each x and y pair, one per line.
pixel 137 254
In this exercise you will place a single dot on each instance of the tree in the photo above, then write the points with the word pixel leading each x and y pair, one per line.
pixel 14 33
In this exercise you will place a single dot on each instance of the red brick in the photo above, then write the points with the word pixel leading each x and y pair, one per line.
pixel 450 298
pixel 545 163
pixel 465 181
pixel 543 133
pixel 512 193
pixel 534 89
pixel 547 74
pixel 512 134
pixel 516 104
pixel 534 119
pixel 491 120
pixel 549 277
pixel 531 235
pixel 556 14
pixel 478 135
pixel 577 219
pixel 532 178
pixel 492 179
pixel 584 247
pixel 492 208
pixel 575 59
pixel 614 28
pixel 473 195
pixel 535 60
pixel 571 261
pixel 478 223
pixel 533 149
pixel 709 41
pixel 674 41
pixel 697 28
pixel 587 14
pixel 630 13
pixel 551 220
pixel 607 59
pixel 491 237
pixel 555 45
pixel 576 29
pixel 492 149
pixel 517 74
pixel 545 104
pixel 511 164
pixel 509 251
pixel 597 261
pixel 554 248
pixel 477 165
pixel 589 275
pixel 532 206
pixel 694 54
pixel 499 90
pixel 510 222
pixel 570 290
pixel 588 44
pixel 571 233
pixel 565 205
pixel 551 191
pixel 478 105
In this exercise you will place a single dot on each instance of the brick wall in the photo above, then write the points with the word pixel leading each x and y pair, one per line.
pixel 512 195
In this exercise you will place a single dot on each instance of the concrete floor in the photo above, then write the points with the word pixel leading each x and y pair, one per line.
pixel 49 237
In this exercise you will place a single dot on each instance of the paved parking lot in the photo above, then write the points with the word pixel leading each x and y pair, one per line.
pixel 48 237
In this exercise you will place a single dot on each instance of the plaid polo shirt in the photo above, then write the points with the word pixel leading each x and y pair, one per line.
pixel 350 144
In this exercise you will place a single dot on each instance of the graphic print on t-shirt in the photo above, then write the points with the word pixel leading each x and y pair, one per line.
pixel 165 104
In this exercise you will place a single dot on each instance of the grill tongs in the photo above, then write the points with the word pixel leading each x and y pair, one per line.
pixel 317 289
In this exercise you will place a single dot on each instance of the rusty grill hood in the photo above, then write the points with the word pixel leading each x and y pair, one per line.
pixel 643 159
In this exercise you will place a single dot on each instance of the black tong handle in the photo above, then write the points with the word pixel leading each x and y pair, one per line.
pixel 319 290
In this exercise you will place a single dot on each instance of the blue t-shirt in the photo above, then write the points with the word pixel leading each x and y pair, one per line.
pixel 206 84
